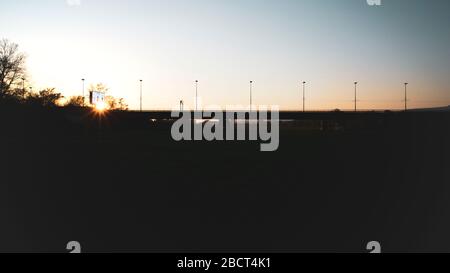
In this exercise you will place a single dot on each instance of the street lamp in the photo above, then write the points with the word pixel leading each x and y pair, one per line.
pixel 304 83
pixel 356 84
pixel 140 97
pixel 84 96
pixel 196 95
pixel 406 96
pixel 251 95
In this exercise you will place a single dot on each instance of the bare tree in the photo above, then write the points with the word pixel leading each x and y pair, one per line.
pixel 12 66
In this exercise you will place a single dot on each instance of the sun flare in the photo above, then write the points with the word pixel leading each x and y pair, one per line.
pixel 100 106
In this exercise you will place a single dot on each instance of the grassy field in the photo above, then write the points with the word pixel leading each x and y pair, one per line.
pixel 130 187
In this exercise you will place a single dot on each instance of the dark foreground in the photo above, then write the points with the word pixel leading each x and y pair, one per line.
pixel 131 188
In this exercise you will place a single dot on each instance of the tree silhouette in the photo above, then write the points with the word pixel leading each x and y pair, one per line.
pixel 47 97
pixel 116 104
pixel 76 101
pixel 12 67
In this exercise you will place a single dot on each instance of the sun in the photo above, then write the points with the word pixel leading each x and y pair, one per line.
pixel 100 106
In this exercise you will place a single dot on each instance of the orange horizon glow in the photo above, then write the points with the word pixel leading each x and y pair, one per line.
pixel 226 44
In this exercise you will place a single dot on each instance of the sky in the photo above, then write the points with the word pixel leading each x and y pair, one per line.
pixel 226 43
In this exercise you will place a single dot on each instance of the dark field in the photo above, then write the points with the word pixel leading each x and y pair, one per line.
pixel 130 188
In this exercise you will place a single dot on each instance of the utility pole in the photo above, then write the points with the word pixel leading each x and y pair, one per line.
pixel 356 101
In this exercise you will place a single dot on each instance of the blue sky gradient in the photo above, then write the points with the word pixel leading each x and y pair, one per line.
pixel 226 43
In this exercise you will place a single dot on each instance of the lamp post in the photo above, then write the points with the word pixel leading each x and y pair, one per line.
pixel 356 84
pixel 140 99
pixel 84 97
pixel 304 109
pixel 406 96
pixel 251 95
pixel 196 95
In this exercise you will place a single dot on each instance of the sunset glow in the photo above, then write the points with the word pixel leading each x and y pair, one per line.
pixel 100 107
pixel 224 44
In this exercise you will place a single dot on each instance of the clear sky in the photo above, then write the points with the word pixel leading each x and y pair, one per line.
pixel 226 43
